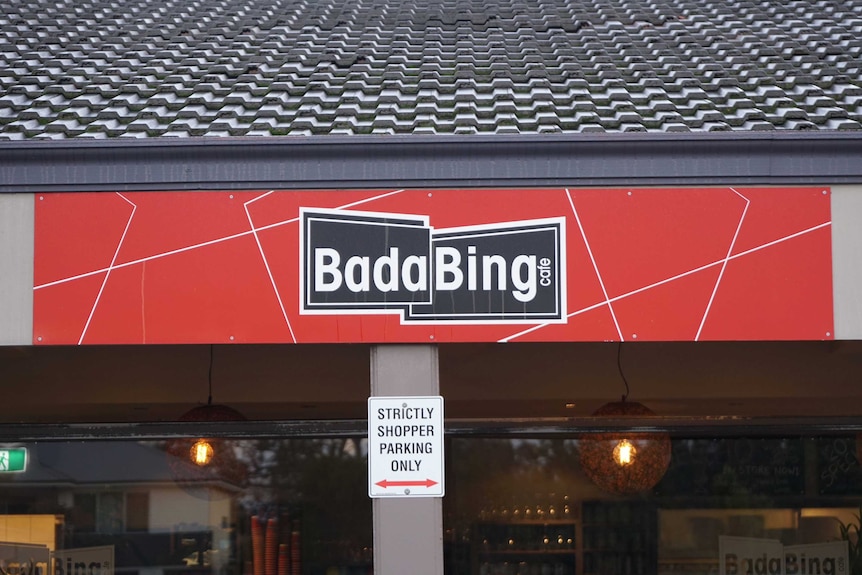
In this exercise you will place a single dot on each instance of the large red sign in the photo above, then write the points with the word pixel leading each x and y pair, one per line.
pixel 433 266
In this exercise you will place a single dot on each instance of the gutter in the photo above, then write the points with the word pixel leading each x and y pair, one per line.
pixel 404 161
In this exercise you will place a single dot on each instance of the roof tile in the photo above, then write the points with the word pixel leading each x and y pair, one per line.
pixel 251 67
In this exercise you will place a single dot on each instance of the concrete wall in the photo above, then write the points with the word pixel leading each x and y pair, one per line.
pixel 847 260
pixel 16 269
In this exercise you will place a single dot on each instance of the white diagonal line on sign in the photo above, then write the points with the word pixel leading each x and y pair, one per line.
pixel 198 245
pixel 595 266
pixel 674 278
pixel 723 263
pixel 145 259
pixel 266 264
pixel 718 262
pixel 366 200
pixel 541 325
pixel 109 268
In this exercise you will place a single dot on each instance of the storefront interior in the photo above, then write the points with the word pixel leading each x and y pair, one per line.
pixel 764 459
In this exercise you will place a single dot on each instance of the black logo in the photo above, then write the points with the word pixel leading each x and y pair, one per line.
pixel 368 262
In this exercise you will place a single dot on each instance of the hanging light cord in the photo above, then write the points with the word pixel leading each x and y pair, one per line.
pixel 620 368
pixel 210 377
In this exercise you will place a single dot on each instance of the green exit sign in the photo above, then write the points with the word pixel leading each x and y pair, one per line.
pixel 13 459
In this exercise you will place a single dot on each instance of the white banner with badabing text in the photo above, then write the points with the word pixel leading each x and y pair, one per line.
pixel 751 556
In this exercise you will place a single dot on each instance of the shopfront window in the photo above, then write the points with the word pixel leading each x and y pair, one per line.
pixel 738 505
pixel 273 507
pixel 778 504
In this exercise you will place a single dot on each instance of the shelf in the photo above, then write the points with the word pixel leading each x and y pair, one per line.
pixel 618 551
pixel 600 537
pixel 688 561
pixel 515 522
pixel 530 552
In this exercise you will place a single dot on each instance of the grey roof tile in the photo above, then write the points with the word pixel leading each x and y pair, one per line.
pixel 253 67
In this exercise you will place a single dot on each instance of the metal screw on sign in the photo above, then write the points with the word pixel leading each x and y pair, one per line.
pixel 403 405
pixel 406 492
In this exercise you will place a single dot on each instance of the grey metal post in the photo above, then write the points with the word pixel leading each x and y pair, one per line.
pixel 16 269
pixel 408 533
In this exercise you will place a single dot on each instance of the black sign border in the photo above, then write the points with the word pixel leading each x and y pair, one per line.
pixel 403 309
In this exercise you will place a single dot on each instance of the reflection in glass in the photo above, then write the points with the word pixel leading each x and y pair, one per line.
pixel 723 503
pixel 296 507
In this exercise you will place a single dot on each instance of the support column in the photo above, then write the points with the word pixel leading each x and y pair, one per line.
pixel 408 533
pixel 847 261
pixel 16 269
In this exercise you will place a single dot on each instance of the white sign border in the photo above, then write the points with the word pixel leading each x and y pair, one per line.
pixel 440 487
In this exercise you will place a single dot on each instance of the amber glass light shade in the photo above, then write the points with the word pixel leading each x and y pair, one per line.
pixel 621 462
pixel 195 461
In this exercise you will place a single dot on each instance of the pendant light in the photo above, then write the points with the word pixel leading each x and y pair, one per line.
pixel 625 462
pixel 196 460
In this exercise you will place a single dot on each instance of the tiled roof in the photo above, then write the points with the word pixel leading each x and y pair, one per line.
pixel 141 68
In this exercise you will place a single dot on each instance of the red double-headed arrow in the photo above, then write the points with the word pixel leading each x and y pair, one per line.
pixel 421 483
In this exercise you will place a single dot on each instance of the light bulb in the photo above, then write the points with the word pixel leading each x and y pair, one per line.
pixel 624 453
pixel 201 452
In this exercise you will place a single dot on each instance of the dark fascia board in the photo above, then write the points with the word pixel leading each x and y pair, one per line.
pixel 380 162
pixel 730 426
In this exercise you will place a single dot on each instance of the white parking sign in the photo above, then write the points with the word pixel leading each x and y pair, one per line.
pixel 405 446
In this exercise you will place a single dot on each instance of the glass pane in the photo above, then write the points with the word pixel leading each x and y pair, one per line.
pixel 259 507
pixel 766 505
